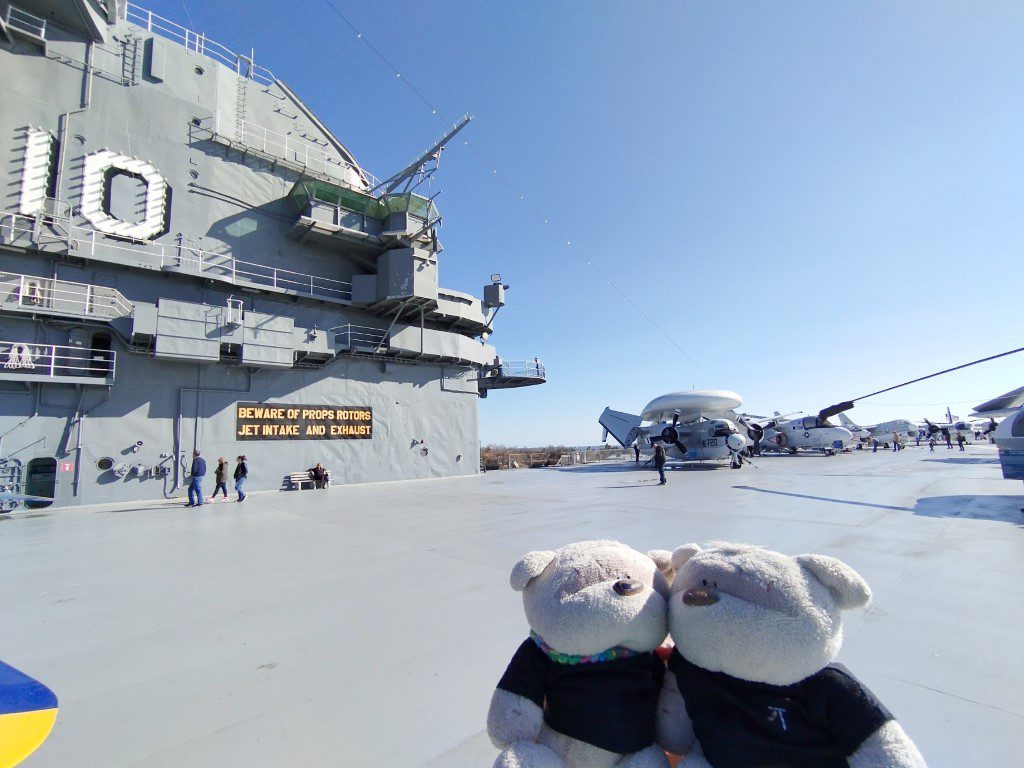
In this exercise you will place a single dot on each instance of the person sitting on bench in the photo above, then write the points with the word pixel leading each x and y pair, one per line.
pixel 318 475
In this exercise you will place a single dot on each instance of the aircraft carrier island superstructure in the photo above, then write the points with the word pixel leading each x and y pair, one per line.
pixel 189 259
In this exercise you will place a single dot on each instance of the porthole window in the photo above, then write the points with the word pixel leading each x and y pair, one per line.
pixel 198 70
pixel 194 174
pixel 196 122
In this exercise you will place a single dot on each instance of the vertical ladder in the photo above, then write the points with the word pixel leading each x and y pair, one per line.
pixel 131 60
pixel 241 91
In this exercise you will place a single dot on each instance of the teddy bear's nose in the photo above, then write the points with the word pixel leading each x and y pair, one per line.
pixel 700 596
pixel 627 586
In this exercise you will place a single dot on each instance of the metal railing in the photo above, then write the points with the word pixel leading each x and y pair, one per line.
pixel 32 293
pixel 528 369
pixel 350 336
pixel 243 65
pixel 23 21
pixel 52 360
pixel 288 148
pixel 19 230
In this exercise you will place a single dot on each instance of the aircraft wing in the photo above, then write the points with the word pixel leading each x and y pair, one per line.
pixel 1002 405
pixel 624 427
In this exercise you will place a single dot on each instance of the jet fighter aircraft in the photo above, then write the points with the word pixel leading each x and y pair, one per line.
pixel 693 426
pixel 882 432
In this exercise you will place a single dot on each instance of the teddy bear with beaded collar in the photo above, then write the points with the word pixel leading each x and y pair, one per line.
pixel 582 690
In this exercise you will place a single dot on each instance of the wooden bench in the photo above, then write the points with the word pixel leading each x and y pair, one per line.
pixel 298 480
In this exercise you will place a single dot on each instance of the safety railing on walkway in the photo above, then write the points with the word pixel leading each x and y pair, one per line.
pixel 19 230
pixel 54 361
pixel 42 294
pixel 528 369
pixel 353 336
pixel 244 66
pixel 290 149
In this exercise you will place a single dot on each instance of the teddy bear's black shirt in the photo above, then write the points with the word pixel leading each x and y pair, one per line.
pixel 816 723
pixel 610 704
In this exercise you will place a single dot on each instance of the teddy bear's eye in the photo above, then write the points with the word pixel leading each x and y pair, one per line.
pixel 704 582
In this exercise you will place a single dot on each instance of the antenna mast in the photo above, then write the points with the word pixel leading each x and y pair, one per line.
pixel 417 166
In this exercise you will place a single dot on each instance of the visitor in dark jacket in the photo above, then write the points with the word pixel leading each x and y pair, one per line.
pixel 318 475
pixel 241 473
pixel 659 462
pixel 220 474
pixel 195 486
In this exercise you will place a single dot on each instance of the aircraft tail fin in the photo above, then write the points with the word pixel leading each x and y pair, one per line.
pixel 846 421
pixel 624 427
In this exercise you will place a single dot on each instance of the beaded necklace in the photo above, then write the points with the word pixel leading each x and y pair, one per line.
pixel 618 652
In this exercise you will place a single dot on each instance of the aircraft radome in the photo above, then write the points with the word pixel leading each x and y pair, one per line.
pixel 695 425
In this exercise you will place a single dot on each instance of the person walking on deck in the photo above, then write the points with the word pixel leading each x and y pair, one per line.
pixel 195 485
pixel 241 473
pixel 960 440
pixel 659 462
pixel 220 474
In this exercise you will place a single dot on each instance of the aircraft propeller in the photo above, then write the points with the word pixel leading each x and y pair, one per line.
pixel 671 435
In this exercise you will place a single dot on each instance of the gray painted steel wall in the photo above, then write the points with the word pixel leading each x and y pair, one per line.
pixel 144 99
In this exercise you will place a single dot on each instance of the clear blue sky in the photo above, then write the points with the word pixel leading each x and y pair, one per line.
pixel 815 199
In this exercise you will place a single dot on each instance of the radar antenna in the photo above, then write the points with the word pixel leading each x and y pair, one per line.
pixel 422 167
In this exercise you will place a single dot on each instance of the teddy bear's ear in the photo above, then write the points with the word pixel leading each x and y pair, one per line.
pixel 850 590
pixel 684 553
pixel 663 560
pixel 530 566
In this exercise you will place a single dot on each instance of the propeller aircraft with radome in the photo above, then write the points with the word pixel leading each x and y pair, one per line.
pixel 695 425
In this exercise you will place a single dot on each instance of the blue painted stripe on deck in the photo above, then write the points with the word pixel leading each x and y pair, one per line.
pixel 20 693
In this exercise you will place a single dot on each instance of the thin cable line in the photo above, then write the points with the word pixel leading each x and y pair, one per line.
pixel 515 190
pixel 188 15
pixel 380 55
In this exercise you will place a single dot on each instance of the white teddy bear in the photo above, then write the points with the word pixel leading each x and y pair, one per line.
pixel 582 691
pixel 751 683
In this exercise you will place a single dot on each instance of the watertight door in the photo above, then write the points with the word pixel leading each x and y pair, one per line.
pixel 41 480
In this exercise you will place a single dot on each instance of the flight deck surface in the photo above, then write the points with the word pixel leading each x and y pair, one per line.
pixel 367 625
